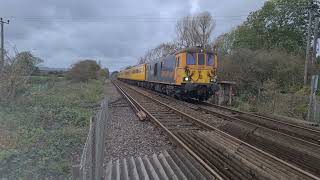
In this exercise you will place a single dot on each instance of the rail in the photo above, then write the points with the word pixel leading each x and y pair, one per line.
pixel 177 140
pixel 290 168
pixel 303 132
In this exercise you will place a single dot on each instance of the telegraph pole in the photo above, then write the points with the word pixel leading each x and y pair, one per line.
pixel 306 63
pixel 2 43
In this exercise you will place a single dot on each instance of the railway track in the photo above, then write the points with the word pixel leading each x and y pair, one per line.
pixel 282 139
pixel 279 144
pixel 301 131
pixel 225 156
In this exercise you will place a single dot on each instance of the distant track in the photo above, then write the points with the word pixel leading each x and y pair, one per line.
pixel 223 154
pixel 301 131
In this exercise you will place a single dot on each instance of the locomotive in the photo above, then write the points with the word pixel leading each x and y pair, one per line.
pixel 189 73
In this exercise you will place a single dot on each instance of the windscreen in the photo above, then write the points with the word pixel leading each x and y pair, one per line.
pixel 210 59
pixel 201 60
pixel 191 59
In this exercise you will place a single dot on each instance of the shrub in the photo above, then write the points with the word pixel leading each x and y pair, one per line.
pixel 251 69
pixel 84 70
pixel 16 72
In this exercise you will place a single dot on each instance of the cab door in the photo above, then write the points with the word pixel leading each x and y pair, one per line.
pixel 177 74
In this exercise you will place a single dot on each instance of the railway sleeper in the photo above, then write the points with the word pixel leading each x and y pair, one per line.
pixel 308 152
pixel 259 164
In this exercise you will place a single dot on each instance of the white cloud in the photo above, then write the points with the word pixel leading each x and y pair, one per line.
pixel 195 7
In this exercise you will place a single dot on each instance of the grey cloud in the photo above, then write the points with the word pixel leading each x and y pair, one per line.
pixel 114 32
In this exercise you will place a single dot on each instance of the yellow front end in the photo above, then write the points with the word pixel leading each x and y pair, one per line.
pixel 199 71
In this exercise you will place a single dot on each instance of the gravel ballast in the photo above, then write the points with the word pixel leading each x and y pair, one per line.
pixel 126 135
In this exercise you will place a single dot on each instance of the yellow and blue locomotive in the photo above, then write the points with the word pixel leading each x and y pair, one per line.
pixel 189 73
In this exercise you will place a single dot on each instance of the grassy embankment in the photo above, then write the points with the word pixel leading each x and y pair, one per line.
pixel 42 132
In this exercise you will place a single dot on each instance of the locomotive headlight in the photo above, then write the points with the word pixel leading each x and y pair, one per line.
pixel 186 79
pixel 214 80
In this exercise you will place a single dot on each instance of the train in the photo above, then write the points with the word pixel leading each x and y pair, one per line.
pixel 189 73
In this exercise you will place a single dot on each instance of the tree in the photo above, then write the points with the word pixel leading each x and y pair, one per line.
pixel 16 72
pixel 114 74
pixel 191 31
pixel 84 70
pixel 195 30
pixel 104 73
pixel 279 24
pixel 251 69
pixel 161 50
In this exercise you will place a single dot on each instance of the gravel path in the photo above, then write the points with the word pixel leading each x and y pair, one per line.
pixel 126 135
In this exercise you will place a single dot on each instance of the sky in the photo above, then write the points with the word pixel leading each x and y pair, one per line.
pixel 114 32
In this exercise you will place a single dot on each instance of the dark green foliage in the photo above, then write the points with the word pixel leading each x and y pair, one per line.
pixel 84 70
pixel 251 69
pixel 265 56
pixel 104 73
pixel 279 24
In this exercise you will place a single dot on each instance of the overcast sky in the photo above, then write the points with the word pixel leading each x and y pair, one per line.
pixel 114 32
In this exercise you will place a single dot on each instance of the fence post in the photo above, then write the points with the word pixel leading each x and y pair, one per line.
pixel 76 172
pixel 93 150
pixel 102 117
pixel 312 110
pixel 91 165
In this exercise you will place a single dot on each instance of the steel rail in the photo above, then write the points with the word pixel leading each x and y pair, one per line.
pixel 174 137
pixel 225 134
pixel 263 117
pixel 258 126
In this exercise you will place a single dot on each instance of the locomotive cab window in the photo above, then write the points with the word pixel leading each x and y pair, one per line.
pixel 210 59
pixel 201 60
pixel 191 59
pixel 178 62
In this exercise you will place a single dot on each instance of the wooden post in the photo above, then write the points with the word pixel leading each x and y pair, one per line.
pixel 230 95
pixel 316 80
pixel 312 110
pixel 93 150
pixel 76 172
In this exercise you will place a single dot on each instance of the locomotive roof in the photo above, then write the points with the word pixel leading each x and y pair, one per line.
pixel 194 50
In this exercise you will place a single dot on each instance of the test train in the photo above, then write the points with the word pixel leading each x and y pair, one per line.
pixel 190 73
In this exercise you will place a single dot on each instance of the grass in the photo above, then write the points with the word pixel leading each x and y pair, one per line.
pixel 290 105
pixel 42 132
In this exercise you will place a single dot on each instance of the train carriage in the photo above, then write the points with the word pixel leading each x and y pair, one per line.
pixel 189 73
pixel 135 73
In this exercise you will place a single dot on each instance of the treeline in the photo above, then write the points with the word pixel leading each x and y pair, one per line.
pixel 17 70
pixel 279 24
pixel 269 46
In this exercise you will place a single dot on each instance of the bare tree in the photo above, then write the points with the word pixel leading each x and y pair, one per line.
pixel 161 50
pixel 191 31
pixel 205 25
pixel 195 30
